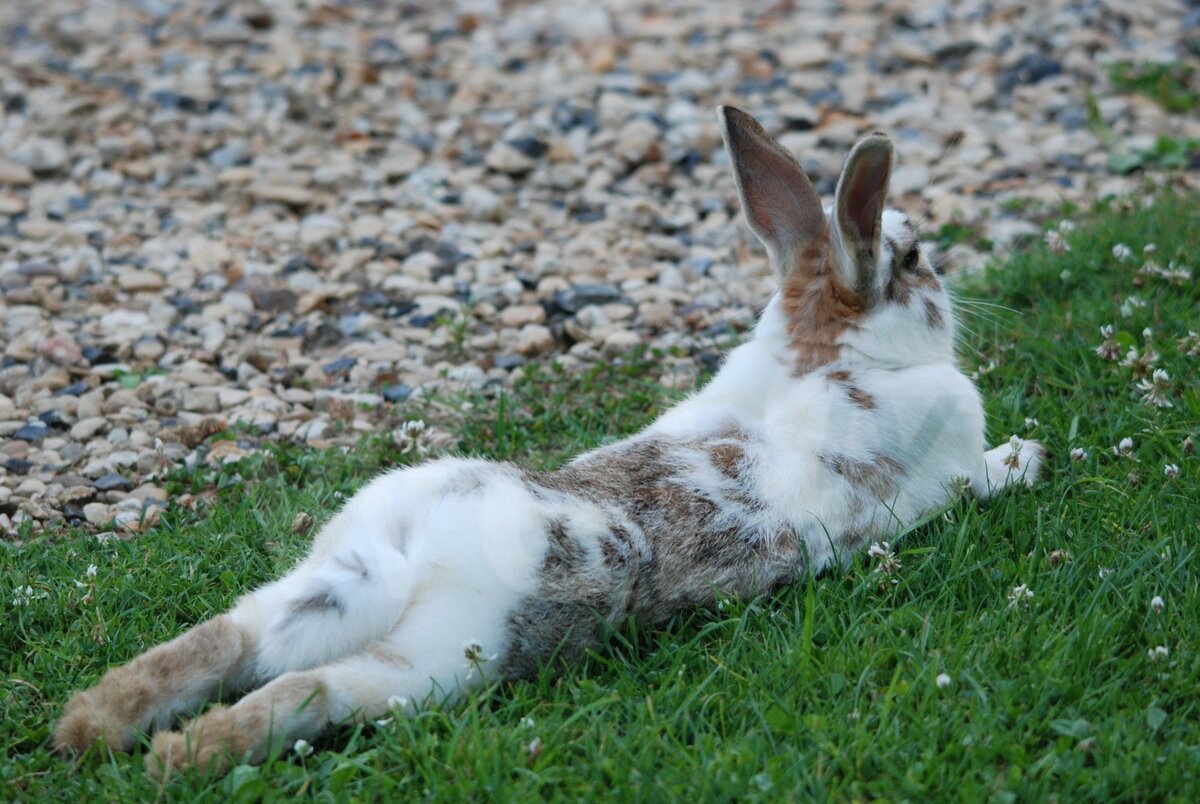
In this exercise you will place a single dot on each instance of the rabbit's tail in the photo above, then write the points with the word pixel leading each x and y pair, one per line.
pixel 334 607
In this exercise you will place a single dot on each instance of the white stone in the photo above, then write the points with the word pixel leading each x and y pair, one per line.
pixel 41 155
pixel 518 315
pixel 86 428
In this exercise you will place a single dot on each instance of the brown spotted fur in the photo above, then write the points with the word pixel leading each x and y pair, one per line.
pixel 818 308
pixel 669 546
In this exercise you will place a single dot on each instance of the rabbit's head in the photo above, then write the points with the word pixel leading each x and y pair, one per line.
pixel 855 283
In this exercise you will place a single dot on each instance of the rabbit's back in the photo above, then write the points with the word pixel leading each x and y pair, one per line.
pixel 646 528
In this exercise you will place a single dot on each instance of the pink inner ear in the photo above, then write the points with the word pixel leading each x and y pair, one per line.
pixel 780 203
pixel 775 202
pixel 865 195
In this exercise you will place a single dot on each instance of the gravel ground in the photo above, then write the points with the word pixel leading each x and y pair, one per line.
pixel 295 214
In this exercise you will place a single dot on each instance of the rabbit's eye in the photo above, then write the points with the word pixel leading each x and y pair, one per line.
pixel 910 259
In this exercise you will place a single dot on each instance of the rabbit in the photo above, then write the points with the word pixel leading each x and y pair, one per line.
pixel 840 421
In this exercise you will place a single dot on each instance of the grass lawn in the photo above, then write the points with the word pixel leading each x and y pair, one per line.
pixel 827 688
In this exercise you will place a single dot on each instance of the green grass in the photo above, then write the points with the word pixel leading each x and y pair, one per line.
pixel 954 233
pixel 826 688
pixel 1173 86
pixel 1167 153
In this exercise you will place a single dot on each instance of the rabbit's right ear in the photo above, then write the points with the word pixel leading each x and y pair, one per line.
pixel 781 206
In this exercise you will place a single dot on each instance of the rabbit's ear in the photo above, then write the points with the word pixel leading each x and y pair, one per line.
pixel 858 213
pixel 783 209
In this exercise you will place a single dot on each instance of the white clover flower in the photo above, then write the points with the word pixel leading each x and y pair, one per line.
pixel 1157 604
pixel 1019 595
pixel 1177 274
pixel 1122 252
pixel 1104 572
pixel 534 747
pixel 475 656
pixel 943 680
pixel 1142 364
pixel 887 562
pixel 1030 423
pixel 397 702
pixel 1158 653
pixel 1058 556
pixel 1131 304
pixel 1124 448
pixel 23 596
pixel 412 436
pixel 91 571
pixel 1155 389
pixel 1013 459
pixel 1079 454
pixel 1149 249
pixel 1109 349
pixel 1056 242
pixel 1190 344
pixel 1171 471
pixel 1066 226
pixel 527 722
pixel 302 748
pixel 1150 268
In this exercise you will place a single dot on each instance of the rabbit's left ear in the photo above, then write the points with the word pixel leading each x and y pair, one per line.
pixel 781 206
pixel 858 213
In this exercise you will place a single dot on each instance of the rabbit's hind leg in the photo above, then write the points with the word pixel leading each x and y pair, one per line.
pixel 173 677
pixel 302 704
pixel 451 633
pixel 319 612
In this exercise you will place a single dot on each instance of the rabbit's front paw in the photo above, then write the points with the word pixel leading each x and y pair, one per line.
pixel 1018 461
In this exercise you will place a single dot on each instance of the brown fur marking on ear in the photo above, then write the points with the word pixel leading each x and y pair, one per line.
pixel 858 209
pixel 778 198
pixel 818 308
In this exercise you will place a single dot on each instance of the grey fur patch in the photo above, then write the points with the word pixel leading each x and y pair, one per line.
pixel 673 540
pixel 933 315
pixel 353 562
pixel 320 602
